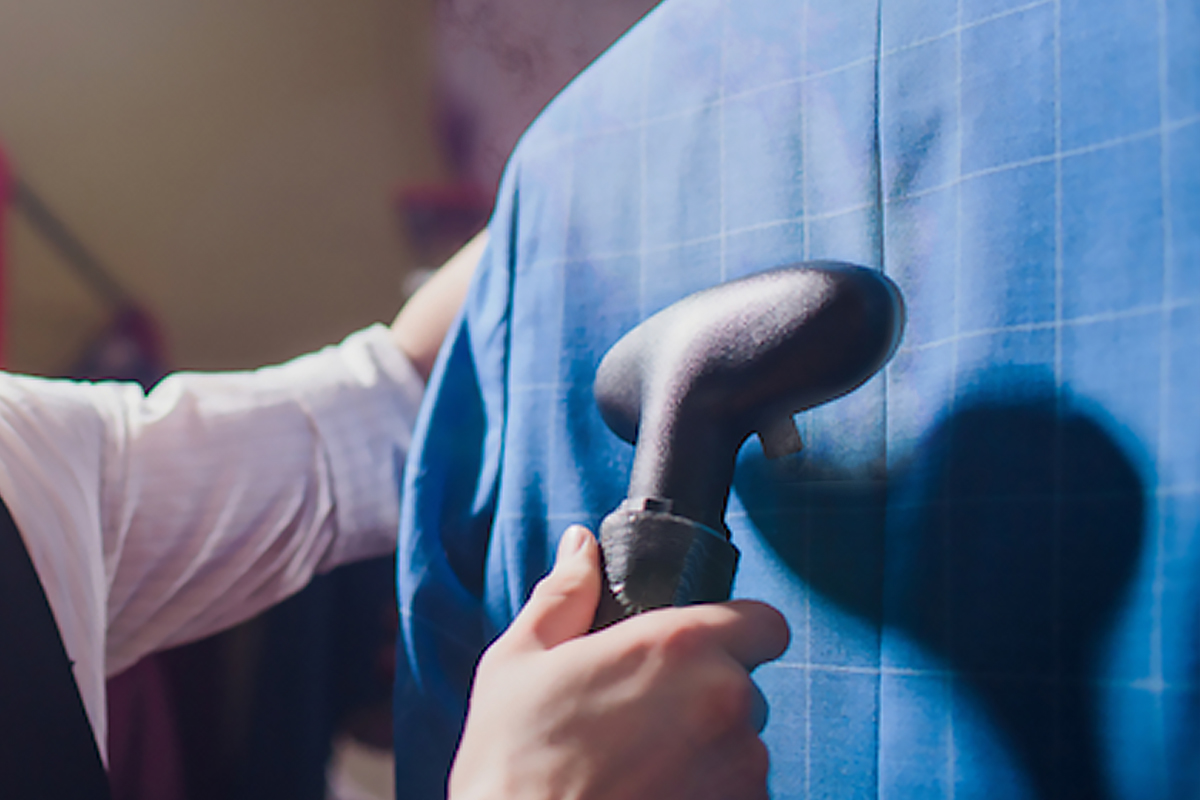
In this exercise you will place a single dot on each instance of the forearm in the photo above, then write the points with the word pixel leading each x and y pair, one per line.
pixel 422 323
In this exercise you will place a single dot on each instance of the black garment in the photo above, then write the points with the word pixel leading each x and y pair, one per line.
pixel 47 749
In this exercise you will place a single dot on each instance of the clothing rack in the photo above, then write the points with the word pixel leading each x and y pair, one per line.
pixel 50 226
pixel 16 194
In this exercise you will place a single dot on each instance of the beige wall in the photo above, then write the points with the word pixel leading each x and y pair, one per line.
pixel 232 160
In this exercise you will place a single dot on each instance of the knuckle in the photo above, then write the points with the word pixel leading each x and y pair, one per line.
pixel 725 705
pixel 490 661
pixel 682 643
pixel 546 588
pixel 758 764
pixel 736 698
pixel 562 582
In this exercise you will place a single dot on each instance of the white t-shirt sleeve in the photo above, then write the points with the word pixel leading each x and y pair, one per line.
pixel 156 519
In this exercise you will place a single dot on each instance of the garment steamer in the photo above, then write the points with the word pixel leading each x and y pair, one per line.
pixel 690 384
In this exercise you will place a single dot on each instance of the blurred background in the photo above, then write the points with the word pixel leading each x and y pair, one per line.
pixel 217 184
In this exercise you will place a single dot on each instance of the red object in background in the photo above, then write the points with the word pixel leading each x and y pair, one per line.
pixel 6 182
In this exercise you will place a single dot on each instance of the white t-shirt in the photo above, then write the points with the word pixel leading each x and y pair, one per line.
pixel 156 519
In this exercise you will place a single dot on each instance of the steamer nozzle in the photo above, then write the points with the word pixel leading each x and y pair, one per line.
pixel 690 384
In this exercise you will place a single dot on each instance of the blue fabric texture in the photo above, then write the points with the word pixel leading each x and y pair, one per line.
pixel 989 555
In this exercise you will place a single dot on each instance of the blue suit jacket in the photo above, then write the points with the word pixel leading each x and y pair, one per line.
pixel 990 554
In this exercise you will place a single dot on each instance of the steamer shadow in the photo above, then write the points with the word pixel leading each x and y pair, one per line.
pixel 958 550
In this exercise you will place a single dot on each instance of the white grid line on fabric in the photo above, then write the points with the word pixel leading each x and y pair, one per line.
pixel 553 263
pixel 566 140
pixel 947 568
pixel 643 114
pixel 1161 129
pixel 721 221
pixel 806 245
pixel 643 154
pixel 552 436
pixel 576 136
pixel 1158 587
pixel 806 249
pixel 599 132
pixel 580 516
pixel 1178 490
pixel 958 29
pixel 881 255
pixel 568 517
pixel 1139 684
pixel 1025 327
pixel 808 77
pixel 1056 627
pixel 804 219
pixel 884 225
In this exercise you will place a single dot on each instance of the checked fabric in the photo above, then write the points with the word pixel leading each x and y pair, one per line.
pixel 989 555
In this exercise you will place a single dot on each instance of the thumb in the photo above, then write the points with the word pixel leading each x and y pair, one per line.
pixel 563 603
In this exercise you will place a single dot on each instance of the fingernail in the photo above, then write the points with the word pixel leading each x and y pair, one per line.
pixel 572 541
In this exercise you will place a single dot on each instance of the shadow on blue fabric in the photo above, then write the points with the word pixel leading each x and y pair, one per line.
pixel 1001 490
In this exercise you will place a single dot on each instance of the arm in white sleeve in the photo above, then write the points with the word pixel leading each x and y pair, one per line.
pixel 156 519
pixel 223 493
